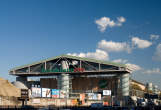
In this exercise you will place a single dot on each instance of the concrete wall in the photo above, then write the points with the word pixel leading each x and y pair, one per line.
pixel 48 83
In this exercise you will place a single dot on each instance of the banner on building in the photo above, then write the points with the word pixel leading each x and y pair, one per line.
pixel 74 101
pixel 62 94
pixel 36 92
pixel 99 96
pixel 82 98
pixel 90 96
pixel 106 92
pixel 55 93
pixel 36 101
pixel 46 92
pixel 94 96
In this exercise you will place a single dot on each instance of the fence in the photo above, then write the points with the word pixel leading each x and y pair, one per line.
pixel 9 101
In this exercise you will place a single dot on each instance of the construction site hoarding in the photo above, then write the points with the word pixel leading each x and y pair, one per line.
pixel 46 92
pixel 62 94
pixel 55 93
pixel 36 92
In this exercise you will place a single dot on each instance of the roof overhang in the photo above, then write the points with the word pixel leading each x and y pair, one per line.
pixel 122 68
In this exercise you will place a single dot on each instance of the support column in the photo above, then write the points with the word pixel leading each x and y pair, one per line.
pixel 125 88
pixel 64 82
pixel 116 86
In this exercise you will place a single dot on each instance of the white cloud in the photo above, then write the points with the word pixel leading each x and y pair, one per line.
pixel 152 71
pixel 157 54
pixel 120 61
pixel 141 43
pixel 121 20
pixel 99 54
pixel 154 37
pixel 133 67
pixel 111 46
pixel 105 22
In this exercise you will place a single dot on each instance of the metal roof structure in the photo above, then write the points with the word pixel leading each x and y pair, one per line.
pixel 90 65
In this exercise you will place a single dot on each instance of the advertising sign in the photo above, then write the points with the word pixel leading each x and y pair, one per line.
pixel 90 96
pixel 36 101
pixel 36 92
pixel 46 92
pixel 74 102
pixel 24 93
pixel 99 96
pixel 82 97
pixel 106 92
pixel 102 84
pixel 43 70
pixel 55 93
pixel 62 94
pixel 95 97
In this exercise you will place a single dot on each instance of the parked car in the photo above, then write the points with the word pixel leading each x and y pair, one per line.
pixel 96 105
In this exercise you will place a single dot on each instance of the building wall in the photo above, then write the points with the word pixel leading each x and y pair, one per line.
pixel 83 83
pixel 142 86
pixel 48 83
pixel 94 83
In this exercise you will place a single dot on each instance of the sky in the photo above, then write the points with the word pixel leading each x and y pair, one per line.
pixel 125 32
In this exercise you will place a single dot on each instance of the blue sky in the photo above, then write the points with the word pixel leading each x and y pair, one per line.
pixel 119 31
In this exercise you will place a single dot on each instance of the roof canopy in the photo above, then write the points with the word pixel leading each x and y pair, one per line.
pixel 68 64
